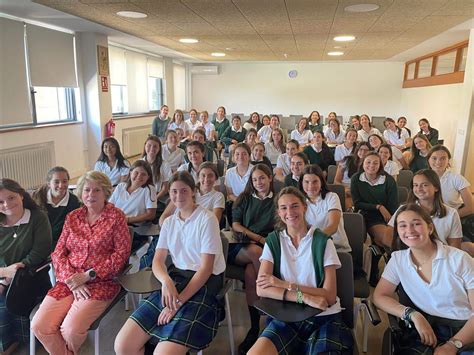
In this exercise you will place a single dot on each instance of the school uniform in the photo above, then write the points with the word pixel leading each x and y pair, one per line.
pixel 264 133
pixel 264 161
pixel 331 136
pixel 392 168
pixel 272 152
pixel 292 180
pixel 196 322
pixel 342 151
pixel 231 133
pixel 318 127
pixel 212 199
pixel 363 136
pixel 115 173
pixel 220 126
pixel 418 162
pixel 191 127
pixel 432 136
pixel 182 125
pixel 451 185
pixel 159 126
pixel 324 332
pixel 209 128
pixel 394 138
pixel 316 156
pixel 135 203
pixel 235 181
pixel 284 162
pixel 165 175
pixel 190 169
pixel 175 158
pixel 447 227
pixel 57 212
pixel 302 138
pixel 317 216
pixel 452 269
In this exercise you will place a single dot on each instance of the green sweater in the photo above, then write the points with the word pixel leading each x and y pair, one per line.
pixel 319 158
pixel 229 134
pixel 366 197
pixel 418 163
pixel 220 127
pixel 316 128
pixel 289 181
pixel 32 245
pixel 255 214
pixel 57 216
pixel 160 126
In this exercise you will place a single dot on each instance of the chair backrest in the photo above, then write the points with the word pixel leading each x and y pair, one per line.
pixel 220 167
pixel 402 195
pixel 356 232
pixel 404 178
pixel 341 192
pixel 331 174
pixel 377 122
pixel 225 250
pixel 345 288
pixel 278 186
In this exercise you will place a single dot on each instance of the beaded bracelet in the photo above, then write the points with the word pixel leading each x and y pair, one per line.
pixel 299 297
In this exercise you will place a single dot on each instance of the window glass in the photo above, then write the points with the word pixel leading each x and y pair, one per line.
pixel 424 68
pixel 446 63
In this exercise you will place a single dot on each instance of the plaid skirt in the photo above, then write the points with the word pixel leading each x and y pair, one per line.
pixel 194 325
pixel 13 328
pixel 312 336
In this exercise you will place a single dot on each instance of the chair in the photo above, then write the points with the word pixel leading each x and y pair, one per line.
pixel 404 178
pixel 331 174
pixel 278 186
pixel 221 167
pixel 354 226
pixel 402 195
pixel 341 192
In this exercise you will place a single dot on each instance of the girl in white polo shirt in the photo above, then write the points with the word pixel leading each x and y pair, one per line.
pixel 367 129
pixel 324 207
pixel 236 177
pixel 195 151
pixel 304 271
pixel 334 134
pixel 390 167
pixel 172 154
pixel 377 141
pixel 265 132
pixel 438 279
pixel 283 166
pixel 346 148
pixel 302 133
pixel 184 314
pixel 276 146
pixel 111 162
pixel 396 136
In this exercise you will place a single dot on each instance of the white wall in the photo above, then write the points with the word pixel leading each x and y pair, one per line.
pixel 346 88
pixel 439 104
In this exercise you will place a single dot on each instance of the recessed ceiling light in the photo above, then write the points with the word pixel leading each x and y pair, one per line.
pixel 218 54
pixel 229 49
pixel 335 53
pixel 361 8
pixel 188 40
pixel 344 38
pixel 337 47
pixel 132 14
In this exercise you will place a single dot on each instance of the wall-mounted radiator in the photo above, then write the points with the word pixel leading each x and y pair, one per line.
pixel 28 164
pixel 133 140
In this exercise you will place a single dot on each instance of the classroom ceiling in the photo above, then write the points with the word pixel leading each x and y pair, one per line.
pixel 276 30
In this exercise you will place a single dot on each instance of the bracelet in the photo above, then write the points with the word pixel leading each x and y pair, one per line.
pixel 299 297
pixel 284 294
pixel 407 314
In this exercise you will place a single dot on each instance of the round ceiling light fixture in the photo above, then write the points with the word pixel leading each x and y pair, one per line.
pixel 361 8
pixel 345 38
pixel 188 40
pixel 132 14
pixel 218 54
pixel 335 53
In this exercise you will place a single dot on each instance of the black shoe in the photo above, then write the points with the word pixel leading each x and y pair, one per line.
pixel 249 340
pixel 374 271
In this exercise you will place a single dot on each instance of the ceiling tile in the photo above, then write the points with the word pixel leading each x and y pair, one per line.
pixel 457 8
pixel 310 9
pixel 346 25
pixel 276 28
pixel 311 26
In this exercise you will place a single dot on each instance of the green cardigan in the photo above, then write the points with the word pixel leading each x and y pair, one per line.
pixel 220 127
pixel 32 245
pixel 230 134
pixel 255 214
pixel 57 216
pixel 418 163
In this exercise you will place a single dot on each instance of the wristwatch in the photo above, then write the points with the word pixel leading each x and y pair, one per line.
pixel 456 342
pixel 92 274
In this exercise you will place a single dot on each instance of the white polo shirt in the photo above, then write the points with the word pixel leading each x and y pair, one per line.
pixel 284 162
pixel 236 182
pixel 346 180
pixel 182 125
pixel 331 136
pixel 187 239
pixel 264 133
pixel 165 174
pixel 341 152
pixel 209 128
pixel 392 136
pixel 316 215
pixel 363 136
pixel 447 227
pixel 296 265
pixel 272 152
pixel 114 173
pixel 174 159
pixel 302 138
pixel 63 203
pixel 212 199
pixel 392 168
pixel 193 172
pixel 446 295
pixel 135 203
pixel 451 185
pixel 191 127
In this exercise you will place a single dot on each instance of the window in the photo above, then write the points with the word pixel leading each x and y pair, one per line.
pixel 155 93
pixel 424 68
pixel 54 104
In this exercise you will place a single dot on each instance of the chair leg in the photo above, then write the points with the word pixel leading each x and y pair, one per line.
pixel 127 306
pixel 96 342
pixel 229 324
pixel 32 343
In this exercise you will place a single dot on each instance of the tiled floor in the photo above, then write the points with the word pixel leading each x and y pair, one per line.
pixel 220 345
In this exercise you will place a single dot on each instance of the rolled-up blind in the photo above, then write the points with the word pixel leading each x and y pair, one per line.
pixel 179 76
pixel 51 57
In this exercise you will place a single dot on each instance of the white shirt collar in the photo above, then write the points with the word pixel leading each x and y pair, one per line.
pixel 62 203
pixel 379 181
pixel 310 232
pixel 270 195
pixel 316 149
pixel 220 121
pixel 237 130
pixel 25 219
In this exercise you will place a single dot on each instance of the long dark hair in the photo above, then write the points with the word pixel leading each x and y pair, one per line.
pixel 156 165
pixel 118 154
pixel 40 195
pixel 397 244
pixel 249 188
pixel 314 169
pixel 439 209
pixel 352 162
pixel 326 152
pixel 13 186
pixel 259 124
pixel 142 164
pixel 202 148
pixel 389 119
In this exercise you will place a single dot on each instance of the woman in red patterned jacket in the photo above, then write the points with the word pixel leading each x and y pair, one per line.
pixel 93 247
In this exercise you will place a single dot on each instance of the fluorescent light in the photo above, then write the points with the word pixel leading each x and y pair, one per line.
pixel 188 40
pixel 347 38
pixel 361 8
pixel 132 14
pixel 218 54
pixel 335 53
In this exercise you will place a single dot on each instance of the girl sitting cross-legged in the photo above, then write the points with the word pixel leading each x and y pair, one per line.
pixel 184 314
pixel 299 265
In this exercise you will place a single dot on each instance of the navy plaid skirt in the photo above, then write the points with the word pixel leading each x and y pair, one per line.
pixel 312 336
pixel 194 325
pixel 13 328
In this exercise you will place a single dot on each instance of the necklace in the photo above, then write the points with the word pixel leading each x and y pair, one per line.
pixel 419 267
pixel 15 234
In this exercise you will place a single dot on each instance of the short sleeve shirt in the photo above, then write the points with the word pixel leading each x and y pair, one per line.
pixel 175 158
pixel 302 138
pixel 191 127
pixel 212 199
pixel 451 185
pixel 236 182
pixel 392 168
pixel 341 152
pixel 272 152
pixel 209 128
pixel 331 136
pixel 284 163
pixel 265 133
pixel 392 136
pixel 114 173
pixel 363 136
pixel 193 172
pixel 135 203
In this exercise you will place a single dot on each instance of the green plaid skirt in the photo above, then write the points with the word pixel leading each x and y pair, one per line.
pixel 194 325
pixel 313 336
pixel 13 328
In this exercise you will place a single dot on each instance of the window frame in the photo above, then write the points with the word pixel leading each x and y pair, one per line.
pixel 71 107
